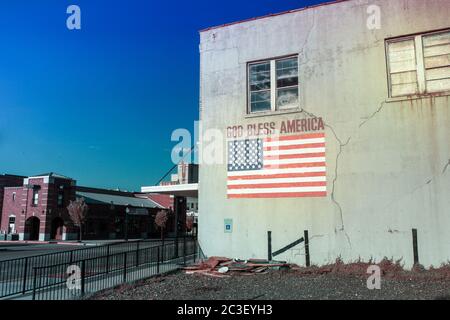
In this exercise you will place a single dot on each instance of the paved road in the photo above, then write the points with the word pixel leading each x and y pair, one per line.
pixel 19 250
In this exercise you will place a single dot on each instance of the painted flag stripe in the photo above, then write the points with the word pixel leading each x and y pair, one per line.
pixel 279 190
pixel 279 195
pixel 296 146
pixel 296 137
pixel 293 161
pixel 279 176
pixel 295 165
pixel 295 156
pixel 296 151
pixel 276 171
pixel 278 185
pixel 276 180
pixel 293 142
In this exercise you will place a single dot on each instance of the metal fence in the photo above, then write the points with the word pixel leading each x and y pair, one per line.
pixel 16 275
pixel 77 279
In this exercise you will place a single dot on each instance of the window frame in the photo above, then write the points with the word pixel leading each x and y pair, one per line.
pixel 60 196
pixel 35 198
pixel 420 64
pixel 273 86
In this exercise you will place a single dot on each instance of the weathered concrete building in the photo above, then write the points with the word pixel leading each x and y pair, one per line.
pixel 336 121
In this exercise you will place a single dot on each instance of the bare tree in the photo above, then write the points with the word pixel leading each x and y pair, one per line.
pixel 161 221
pixel 189 223
pixel 77 211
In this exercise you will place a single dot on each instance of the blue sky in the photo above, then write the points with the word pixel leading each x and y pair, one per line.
pixel 99 104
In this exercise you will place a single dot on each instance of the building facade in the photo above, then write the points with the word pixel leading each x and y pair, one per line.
pixel 334 119
pixel 37 210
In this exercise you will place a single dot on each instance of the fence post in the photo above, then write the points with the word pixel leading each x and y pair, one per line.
pixel 415 247
pixel 184 248
pixel 306 238
pixel 25 271
pixel 83 276
pixel 195 249
pixel 269 245
pixel 34 283
pixel 124 267
pixel 107 259
pixel 137 254
pixel 176 246
pixel 157 261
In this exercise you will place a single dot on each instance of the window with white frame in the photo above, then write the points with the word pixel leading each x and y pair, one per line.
pixel 35 199
pixel 419 64
pixel 273 85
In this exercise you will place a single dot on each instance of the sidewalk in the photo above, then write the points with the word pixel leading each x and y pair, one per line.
pixel 82 243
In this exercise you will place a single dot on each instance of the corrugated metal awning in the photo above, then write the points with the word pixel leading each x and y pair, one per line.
pixel 99 198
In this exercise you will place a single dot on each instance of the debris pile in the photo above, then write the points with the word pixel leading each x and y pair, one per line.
pixel 222 267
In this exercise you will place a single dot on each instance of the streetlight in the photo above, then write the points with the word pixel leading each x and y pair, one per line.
pixel 127 211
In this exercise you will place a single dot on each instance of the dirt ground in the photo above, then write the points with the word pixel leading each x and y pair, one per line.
pixel 342 282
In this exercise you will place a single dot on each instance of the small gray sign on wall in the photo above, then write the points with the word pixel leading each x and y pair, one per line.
pixel 228 225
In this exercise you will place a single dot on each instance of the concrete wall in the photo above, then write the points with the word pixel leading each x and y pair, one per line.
pixel 387 160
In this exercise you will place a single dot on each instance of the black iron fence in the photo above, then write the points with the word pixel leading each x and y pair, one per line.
pixel 76 279
pixel 16 275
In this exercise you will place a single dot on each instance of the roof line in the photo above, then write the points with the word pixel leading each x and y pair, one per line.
pixel 273 15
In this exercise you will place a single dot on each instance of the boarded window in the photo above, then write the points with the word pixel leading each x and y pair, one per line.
pixel 419 64
pixel 403 68
pixel 436 53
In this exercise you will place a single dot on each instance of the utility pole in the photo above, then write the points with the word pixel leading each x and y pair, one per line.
pixel 127 210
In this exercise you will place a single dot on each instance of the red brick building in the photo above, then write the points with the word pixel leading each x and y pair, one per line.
pixel 36 209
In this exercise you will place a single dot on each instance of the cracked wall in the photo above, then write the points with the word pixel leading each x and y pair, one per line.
pixel 387 160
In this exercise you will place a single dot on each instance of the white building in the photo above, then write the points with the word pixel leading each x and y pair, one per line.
pixel 365 85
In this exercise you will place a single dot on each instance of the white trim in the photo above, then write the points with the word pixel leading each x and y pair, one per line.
pixel 273 85
pixel 420 64
pixel 188 190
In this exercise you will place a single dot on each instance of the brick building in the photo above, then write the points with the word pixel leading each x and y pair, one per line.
pixel 8 180
pixel 35 208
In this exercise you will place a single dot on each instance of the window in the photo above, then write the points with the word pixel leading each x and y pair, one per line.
pixel 287 83
pixel 14 197
pixel 12 224
pixel 273 85
pixel 260 99
pixel 60 198
pixel 35 197
pixel 419 64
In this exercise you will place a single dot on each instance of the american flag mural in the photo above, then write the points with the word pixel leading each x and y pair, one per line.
pixel 277 167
